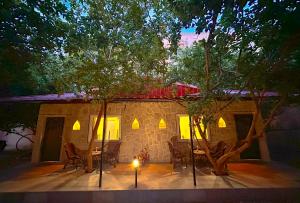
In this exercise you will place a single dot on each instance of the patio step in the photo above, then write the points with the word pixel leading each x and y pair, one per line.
pixel 258 195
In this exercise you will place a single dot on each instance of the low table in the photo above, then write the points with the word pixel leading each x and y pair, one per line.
pixel 95 157
pixel 96 153
pixel 198 152
pixel 200 157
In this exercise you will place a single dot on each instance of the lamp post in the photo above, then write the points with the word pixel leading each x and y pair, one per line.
pixel 192 146
pixel 135 164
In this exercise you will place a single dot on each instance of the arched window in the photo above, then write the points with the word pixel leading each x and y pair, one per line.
pixel 76 125
pixel 162 124
pixel 135 124
pixel 221 123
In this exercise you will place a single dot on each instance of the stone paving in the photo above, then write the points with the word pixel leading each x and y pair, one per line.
pixel 247 182
pixel 151 176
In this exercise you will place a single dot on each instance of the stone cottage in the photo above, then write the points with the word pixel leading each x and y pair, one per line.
pixel 137 122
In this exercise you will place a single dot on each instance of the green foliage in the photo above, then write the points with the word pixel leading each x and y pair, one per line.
pixel 189 66
pixel 29 30
pixel 53 72
pixel 273 57
pixel 18 115
pixel 112 47
pixel 256 42
pixel 251 45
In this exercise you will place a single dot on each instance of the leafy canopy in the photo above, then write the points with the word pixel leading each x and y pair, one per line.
pixel 28 31
pixel 112 47
pixel 250 45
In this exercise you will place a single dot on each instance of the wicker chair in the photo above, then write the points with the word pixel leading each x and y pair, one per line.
pixel 176 156
pixel 174 140
pixel 73 157
pixel 183 147
pixel 111 154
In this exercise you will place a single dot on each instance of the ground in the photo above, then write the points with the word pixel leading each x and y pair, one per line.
pixel 12 158
pixel 152 177
pixel 53 177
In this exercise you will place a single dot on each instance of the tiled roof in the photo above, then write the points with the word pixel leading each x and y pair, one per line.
pixel 170 92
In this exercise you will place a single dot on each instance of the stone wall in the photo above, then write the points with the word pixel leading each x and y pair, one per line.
pixel 148 115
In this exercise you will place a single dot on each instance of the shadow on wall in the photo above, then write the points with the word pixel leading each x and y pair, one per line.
pixel 284 136
pixel 12 138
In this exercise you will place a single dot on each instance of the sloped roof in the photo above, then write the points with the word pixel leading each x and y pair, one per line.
pixel 169 92
pixel 244 93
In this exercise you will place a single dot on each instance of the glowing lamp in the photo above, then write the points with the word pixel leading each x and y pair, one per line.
pixel 135 163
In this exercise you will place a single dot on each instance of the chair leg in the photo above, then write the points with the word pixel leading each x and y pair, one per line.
pixel 114 161
pixel 77 163
pixel 82 163
pixel 66 163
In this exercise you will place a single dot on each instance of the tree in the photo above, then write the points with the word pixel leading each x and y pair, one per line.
pixel 113 48
pixel 240 54
pixel 19 115
pixel 28 31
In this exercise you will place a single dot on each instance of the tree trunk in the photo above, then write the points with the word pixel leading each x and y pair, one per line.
pixel 89 168
pixel 220 169
pixel 219 165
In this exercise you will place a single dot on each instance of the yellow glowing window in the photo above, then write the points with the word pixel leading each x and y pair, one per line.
pixel 76 125
pixel 184 125
pixel 221 123
pixel 112 128
pixel 135 124
pixel 162 124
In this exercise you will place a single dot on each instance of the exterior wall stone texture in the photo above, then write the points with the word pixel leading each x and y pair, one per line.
pixel 148 135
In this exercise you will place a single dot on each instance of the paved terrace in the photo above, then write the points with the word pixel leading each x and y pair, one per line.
pixel 247 182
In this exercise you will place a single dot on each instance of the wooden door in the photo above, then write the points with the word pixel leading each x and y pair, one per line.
pixel 243 124
pixel 52 139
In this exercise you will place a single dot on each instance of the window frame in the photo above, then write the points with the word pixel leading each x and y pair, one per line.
pixel 179 133
pixel 106 140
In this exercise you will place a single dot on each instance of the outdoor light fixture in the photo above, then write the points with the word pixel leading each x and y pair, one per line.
pixel 136 165
pixel 221 123
pixel 76 125
pixel 135 124
pixel 162 124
